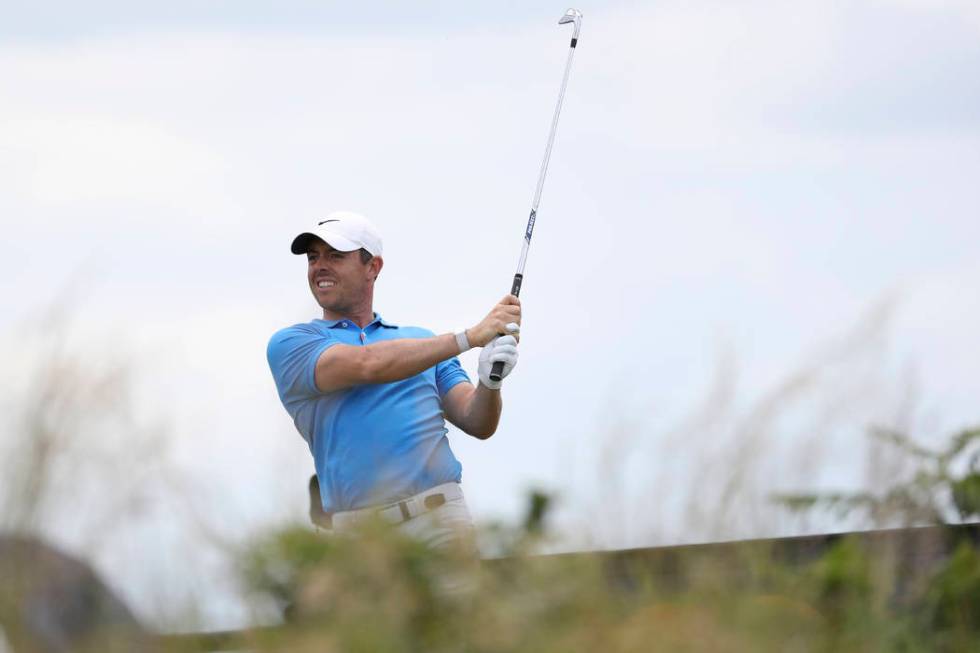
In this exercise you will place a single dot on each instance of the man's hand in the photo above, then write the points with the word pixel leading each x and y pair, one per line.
pixel 503 349
pixel 504 318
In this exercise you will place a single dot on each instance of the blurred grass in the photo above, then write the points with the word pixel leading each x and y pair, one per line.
pixel 380 592
pixel 906 590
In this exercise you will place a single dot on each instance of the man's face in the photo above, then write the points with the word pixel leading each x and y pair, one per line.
pixel 340 281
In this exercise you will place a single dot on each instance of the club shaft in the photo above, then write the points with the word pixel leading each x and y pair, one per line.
pixel 529 231
pixel 496 372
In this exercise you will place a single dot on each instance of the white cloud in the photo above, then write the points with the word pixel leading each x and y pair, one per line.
pixel 967 10
pixel 70 161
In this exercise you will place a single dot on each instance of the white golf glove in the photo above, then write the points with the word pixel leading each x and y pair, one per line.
pixel 501 348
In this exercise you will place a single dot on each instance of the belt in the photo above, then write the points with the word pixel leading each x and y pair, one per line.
pixel 403 509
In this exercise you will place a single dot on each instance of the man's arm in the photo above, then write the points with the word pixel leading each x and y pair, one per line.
pixel 475 411
pixel 344 366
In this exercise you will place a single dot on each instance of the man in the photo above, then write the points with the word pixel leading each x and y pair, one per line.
pixel 371 397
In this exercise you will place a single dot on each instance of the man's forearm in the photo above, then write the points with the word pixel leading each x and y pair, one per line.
pixel 394 360
pixel 482 412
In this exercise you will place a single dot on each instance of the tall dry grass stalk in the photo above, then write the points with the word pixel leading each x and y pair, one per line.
pixel 712 475
pixel 87 468
pixel 80 461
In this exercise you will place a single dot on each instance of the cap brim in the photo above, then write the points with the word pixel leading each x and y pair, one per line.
pixel 301 244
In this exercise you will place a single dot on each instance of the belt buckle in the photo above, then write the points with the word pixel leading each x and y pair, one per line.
pixel 433 501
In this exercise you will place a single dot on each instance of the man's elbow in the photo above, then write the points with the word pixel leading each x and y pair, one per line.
pixel 370 368
pixel 482 431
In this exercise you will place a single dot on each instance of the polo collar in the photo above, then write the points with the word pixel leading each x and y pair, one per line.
pixel 383 322
pixel 334 323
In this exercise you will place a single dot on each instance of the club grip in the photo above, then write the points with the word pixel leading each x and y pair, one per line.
pixel 497 371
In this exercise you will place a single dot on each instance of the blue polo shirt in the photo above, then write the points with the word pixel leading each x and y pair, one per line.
pixel 371 444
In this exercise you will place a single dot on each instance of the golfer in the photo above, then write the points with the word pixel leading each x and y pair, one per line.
pixel 371 397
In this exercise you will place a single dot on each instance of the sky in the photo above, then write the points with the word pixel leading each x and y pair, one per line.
pixel 758 237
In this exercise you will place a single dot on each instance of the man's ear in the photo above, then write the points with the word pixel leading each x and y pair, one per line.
pixel 376 264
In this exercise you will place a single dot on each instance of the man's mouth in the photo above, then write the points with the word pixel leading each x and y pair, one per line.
pixel 325 283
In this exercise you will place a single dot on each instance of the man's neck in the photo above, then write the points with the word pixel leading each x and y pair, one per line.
pixel 361 318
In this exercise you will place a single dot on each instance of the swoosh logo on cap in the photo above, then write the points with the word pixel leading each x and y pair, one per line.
pixel 326 221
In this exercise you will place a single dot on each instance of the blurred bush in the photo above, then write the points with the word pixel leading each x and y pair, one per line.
pixel 380 592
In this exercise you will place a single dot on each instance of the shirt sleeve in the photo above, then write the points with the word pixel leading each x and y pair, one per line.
pixel 448 374
pixel 293 353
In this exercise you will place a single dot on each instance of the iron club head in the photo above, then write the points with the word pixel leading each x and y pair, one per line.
pixel 572 16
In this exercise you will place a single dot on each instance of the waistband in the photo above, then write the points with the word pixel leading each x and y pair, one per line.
pixel 403 509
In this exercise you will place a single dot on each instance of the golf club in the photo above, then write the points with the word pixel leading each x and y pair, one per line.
pixel 571 16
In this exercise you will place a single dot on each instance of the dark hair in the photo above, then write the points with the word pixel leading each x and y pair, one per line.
pixel 365 255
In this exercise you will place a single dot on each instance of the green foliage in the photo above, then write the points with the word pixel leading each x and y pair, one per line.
pixel 538 505
pixel 842 578
pixel 939 488
pixel 954 593
pixel 943 488
pixel 966 495
pixel 377 591
pixel 374 592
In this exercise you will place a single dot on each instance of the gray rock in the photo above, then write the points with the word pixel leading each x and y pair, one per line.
pixel 52 602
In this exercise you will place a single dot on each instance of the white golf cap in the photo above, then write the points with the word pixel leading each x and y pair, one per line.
pixel 345 231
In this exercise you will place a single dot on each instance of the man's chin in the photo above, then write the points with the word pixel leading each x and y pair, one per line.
pixel 329 305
